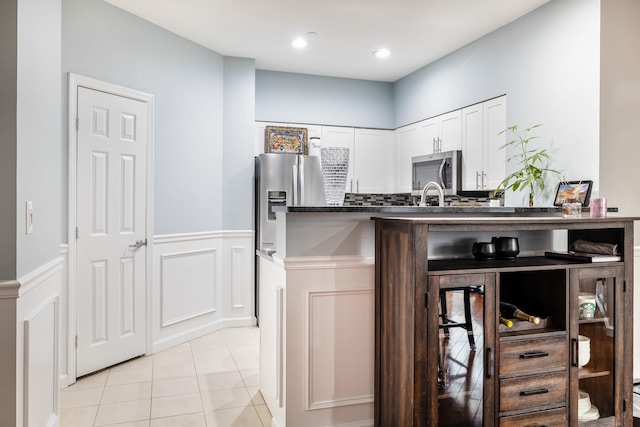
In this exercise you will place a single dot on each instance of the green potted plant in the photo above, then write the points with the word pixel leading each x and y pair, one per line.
pixel 532 162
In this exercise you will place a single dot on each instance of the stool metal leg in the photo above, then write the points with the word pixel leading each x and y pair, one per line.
pixel 467 317
pixel 443 311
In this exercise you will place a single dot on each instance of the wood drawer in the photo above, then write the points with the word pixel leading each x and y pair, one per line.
pixel 533 391
pixel 533 355
pixel 552 418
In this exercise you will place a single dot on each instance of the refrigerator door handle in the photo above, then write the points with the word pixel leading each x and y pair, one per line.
pixel 301 182
pixel 296 202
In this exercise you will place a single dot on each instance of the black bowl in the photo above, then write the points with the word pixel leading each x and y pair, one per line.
pixel 483 250
pixel 506 247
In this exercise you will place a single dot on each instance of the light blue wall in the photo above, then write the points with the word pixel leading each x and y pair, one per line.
pixel 239 123
pixel 302 98
pixel 548 65
pixel 106 43
pixel 39 136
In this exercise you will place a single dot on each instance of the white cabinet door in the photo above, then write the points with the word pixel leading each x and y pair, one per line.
pixel 472 147
pixel 408 144
pixel 371 161
pixel 450 131
pixel 333 136
pixel 495 121
pixel 429 136
pixel 483 162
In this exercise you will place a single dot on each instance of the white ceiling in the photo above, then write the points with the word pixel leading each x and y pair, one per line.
pixel 417 32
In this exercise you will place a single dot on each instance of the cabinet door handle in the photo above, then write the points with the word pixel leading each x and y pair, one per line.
pixel 490 362
pixel 533 354
pixel 483 183
pixel 534 392
pixel 477 176
pixel 351 186
pixel 357 185
pixel 433 145
pixel 574 352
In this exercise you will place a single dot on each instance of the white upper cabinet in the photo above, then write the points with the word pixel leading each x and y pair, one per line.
pixel 472 147
pixel 409 143
pixel 449 131
pixel 441 133
pixel 429 136
pixel 494 160
pixel 434 135
pixel 333 136
pixel 373 161
pixel 369 154
pixel 483 162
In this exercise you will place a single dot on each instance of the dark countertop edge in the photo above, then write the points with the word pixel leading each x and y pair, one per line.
pixel 429 210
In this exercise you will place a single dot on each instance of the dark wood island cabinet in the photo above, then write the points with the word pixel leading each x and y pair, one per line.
pixel 529 374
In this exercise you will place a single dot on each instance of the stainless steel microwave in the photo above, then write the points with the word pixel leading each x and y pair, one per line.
pixel 443 168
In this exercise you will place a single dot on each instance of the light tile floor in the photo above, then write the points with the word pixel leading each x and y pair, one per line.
pixel 211 381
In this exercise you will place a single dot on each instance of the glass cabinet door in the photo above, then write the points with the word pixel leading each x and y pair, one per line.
pixel 465 349
pixel 597 353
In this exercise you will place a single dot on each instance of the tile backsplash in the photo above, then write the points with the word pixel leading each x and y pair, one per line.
pixel 406 199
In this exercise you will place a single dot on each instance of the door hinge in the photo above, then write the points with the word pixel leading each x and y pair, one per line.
pixel 77 123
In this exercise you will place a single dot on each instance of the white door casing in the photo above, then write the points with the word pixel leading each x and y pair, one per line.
pixel 111 215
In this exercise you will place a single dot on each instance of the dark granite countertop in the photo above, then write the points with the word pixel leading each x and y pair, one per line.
pixel 433 210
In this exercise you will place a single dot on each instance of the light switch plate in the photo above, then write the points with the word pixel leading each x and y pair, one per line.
pixel 29 217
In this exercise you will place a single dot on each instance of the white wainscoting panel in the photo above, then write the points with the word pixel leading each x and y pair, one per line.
pixel 38 346
pixel 340 367
pixel 41 365
pixel 201 283
pixel 239 259
pixel 187 285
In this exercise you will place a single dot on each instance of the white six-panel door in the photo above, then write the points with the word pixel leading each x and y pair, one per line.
pixel 111 216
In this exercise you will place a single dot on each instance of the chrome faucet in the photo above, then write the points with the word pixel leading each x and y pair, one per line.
pixel 426 188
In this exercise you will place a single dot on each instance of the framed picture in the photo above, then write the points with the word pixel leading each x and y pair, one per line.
pixel 281 139
pixel 573 191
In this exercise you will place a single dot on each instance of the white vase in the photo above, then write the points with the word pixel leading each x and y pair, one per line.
pixel 335 166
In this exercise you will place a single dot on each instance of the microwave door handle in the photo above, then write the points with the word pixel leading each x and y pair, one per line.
pixel 441 174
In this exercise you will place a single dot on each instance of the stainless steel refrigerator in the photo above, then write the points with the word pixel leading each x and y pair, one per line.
pixel 284 180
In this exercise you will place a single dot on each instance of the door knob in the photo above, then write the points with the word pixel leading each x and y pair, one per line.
pixel 139 243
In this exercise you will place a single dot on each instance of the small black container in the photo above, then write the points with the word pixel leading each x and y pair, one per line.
pixel 506 247
pixel 483 250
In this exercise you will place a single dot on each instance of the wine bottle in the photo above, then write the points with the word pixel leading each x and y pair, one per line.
pixel 510 311
pixel 508 323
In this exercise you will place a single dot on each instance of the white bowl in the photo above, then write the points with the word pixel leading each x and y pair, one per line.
pixel 591 414
pixel 584 402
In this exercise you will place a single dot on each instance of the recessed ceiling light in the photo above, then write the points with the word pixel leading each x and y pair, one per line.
pixel 382 53
pixel 300 42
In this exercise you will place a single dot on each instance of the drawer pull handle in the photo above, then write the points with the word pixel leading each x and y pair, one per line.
pixel 533 354
pixel 534 392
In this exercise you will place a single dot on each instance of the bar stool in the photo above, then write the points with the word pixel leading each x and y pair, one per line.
pixel 447 323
